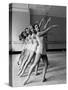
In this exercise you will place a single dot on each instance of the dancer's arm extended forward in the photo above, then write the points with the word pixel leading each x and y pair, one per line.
pixel 41 22
pixel 45 26
pixel 46 30
pixel 46 22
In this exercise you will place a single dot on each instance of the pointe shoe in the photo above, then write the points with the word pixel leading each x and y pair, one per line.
pixel 25 83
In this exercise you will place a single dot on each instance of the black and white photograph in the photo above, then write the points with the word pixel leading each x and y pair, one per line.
pixel 37 44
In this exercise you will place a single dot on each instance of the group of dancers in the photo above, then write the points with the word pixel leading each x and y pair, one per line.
pixel 33 49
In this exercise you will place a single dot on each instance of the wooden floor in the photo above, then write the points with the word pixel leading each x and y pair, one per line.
pixel 56 73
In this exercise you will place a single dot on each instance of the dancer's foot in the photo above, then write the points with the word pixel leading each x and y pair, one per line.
pixel 44 80
pixel 25 82
pixel 37 74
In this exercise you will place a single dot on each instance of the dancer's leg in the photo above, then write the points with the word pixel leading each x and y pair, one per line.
pixel 45 60
pixel 32 67
pixel 36 69
pixel 25 59
pixel 23 63
pixel 27 63
pixel 19 62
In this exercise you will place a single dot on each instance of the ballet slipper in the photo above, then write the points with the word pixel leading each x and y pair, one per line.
pixel 44 80
pixel 25 82
pixel 37 74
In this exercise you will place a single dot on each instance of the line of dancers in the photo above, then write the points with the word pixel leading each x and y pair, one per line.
pixel 33 50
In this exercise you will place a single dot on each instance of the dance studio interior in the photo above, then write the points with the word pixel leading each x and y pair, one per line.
pixel 20 17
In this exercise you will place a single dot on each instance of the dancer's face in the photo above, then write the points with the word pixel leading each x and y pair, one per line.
pixel 21 36
pixel 27 30
pixel 31 28
pixel 24 33
pixel 36 28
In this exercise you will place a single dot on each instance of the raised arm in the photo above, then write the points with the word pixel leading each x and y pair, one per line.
pixel 47 23
pixel 41 22
pixel 46 30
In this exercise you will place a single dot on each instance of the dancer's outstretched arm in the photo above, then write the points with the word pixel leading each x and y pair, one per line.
pixel 46 22
pixel 45 26
pixel 46 30
pixel 41 22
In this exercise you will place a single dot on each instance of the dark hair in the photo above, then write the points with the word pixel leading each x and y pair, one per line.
pixel 30 32
pixel 25 29
pixel 35 31
pixel 37 25
pixel 26 32
pixel 21 36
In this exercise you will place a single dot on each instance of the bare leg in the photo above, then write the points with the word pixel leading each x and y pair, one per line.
pixel 45 60
pixel 27 63
pixel 32 67
pixel 20 58
pixel 36 69
pixel 23 63
pixel 25 60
